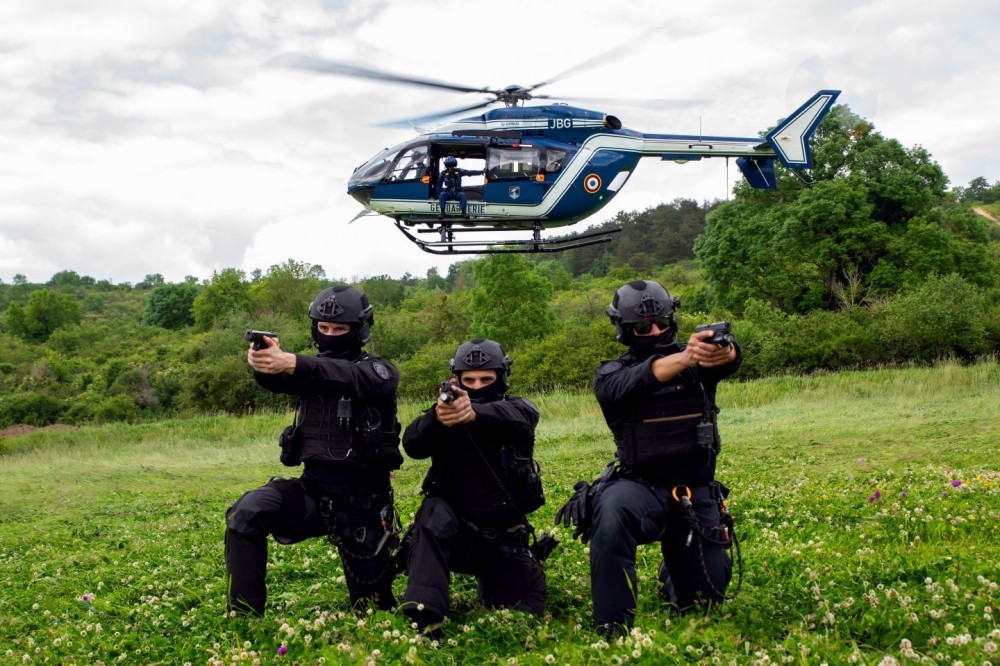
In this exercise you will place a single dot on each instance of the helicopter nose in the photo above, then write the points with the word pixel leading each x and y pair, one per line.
pixel 363 195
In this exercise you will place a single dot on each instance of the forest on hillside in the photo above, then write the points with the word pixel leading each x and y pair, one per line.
pixel 874 262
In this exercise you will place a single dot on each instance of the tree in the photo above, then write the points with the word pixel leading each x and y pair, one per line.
pixel 66 279
pixel 227 291
pixel 383 292
pixel 434 279
pixel 45 312
pixel 511 303
pixel 848 235
pixel 170 305
pixel 287 289
pixel 151 280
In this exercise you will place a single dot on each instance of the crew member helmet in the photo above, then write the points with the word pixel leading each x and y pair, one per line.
pixel 481 354
pixel 638 302
pixel 345 305
pixel 450 161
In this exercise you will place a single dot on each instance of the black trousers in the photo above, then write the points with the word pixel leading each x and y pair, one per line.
pixel 628 513
pixel 439 543
pixel 285 509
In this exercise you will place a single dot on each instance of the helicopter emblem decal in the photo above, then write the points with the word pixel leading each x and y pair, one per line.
pixel 592 183
pixel 533 162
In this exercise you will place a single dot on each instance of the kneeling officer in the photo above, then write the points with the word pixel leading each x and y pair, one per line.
pixel 481 485
pixel 659 401
pixel 347 436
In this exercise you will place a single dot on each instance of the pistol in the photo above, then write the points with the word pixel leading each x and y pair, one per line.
pixel 257 338
pixel 722 333
pixel 446 392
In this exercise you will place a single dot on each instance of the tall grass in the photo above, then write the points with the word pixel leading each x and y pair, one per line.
pixel 866 503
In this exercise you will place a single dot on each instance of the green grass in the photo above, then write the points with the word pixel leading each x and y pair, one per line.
pixel 111 540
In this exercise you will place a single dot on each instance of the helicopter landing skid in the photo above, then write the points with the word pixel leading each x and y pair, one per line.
pixel 448 242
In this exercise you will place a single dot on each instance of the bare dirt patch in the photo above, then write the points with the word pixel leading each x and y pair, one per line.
pixel 23 429
pixel 987 214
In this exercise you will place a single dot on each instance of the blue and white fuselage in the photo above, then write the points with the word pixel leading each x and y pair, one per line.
pixel 558 164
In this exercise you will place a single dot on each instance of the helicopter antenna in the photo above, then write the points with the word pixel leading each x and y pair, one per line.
pixel 727 178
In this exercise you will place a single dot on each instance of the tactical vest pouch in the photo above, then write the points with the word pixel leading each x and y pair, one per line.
pixel 336 447
pixel 665 429
pixel 526 481
pixel 290 441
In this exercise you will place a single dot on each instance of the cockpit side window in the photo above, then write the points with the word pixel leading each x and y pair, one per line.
pixel 411 165
pixel 512 164
pixel 554 160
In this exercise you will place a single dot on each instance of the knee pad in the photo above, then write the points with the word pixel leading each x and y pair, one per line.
pixel 437 517
pixel 243 515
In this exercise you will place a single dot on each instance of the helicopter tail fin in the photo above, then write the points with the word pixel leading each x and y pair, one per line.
pixel 758 171
pixel 790 139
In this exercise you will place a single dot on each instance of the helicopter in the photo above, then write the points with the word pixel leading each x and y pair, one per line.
pixel 544 166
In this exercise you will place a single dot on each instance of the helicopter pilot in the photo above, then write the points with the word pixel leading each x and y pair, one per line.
pixel 449 186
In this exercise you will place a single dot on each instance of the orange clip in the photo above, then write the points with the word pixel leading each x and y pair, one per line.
pixel 687 491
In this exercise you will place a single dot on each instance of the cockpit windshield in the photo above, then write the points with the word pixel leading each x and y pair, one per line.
pixel 374 169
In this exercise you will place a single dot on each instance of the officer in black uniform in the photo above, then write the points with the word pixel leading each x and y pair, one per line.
pixel 659 401
pixel 347 437
pixel 450 186
pixel 481 485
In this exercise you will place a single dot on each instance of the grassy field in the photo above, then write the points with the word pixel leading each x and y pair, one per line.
pixel 866 505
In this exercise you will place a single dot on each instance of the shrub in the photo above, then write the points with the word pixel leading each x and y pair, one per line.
pixel 565 359
pixel 30 408
pixel 944 316
pixel 420 374
pixel 116 408
pixel 226 385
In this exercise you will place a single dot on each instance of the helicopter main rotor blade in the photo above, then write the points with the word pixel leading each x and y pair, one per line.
pixel 607 57
pixel 642 103
pixel 324 66
pixel 432 117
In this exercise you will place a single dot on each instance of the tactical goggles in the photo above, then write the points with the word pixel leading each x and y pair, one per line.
pixel 646 325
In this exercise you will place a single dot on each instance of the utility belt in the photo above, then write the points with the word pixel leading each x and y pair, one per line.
pixel 345 526
pixel 518 536
pixel 334 502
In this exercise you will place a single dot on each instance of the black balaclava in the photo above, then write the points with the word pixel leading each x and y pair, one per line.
pixel 346 346
pixel 486 394
pixel 645 346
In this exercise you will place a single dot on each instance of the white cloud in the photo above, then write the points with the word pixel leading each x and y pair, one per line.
pixel 145 137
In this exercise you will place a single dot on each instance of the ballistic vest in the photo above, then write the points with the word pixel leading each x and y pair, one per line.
pixel 662 428
pixel 348 430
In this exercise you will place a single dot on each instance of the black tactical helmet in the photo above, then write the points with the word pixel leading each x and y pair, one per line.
pixel 480 354
pixel 641 300
pixel 345 305
pixel 450 161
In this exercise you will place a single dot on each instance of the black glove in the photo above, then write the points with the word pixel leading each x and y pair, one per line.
pixel 543 547
pixel 577 512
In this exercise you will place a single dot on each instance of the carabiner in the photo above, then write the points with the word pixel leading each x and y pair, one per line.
pixel 686 491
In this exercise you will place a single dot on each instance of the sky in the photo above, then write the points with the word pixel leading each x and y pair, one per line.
pixel 147 137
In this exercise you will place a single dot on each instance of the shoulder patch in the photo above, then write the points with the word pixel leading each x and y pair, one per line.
pixel 609 367
pixel 380 370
